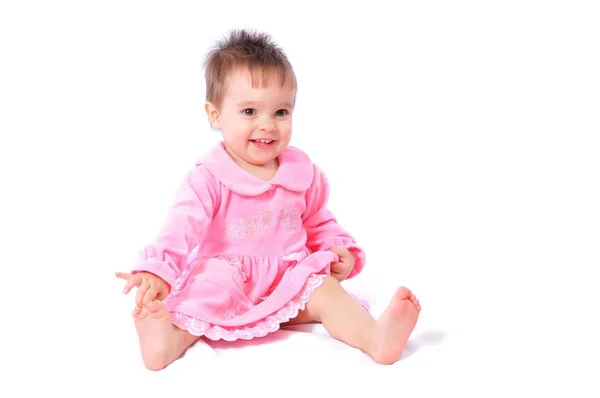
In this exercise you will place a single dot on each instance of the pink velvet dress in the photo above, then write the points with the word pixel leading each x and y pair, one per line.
pixel 242 255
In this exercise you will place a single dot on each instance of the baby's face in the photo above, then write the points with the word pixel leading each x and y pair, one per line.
pixel 256 122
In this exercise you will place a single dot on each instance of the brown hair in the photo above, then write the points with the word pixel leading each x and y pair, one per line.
pixel 245 49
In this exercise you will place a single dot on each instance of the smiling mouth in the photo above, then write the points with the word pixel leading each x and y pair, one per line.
pixel 263 144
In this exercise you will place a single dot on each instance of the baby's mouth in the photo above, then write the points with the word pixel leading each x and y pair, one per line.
pixel 263 143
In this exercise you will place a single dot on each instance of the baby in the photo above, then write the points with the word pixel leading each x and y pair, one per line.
pixel 249 244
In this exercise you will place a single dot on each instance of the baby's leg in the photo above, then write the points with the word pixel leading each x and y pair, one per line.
pixel 161 342
pixel 346 320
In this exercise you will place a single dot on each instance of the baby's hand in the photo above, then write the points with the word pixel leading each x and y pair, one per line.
pixel 150 286
pixel 340 270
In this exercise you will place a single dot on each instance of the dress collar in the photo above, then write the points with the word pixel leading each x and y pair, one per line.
pixel 295 171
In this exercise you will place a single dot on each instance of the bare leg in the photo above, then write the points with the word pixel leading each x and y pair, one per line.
pixel 302 318
pixel 161 342
pixel 346 320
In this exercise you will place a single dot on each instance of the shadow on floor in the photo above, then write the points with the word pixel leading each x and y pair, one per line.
pixel 415 343
pixel 425 339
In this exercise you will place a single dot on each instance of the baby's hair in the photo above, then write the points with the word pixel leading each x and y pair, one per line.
pixel 245 50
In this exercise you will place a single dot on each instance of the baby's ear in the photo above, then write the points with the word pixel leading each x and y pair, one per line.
pixel 213 114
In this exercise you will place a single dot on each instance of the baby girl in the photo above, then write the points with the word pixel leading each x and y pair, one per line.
pixel 249 244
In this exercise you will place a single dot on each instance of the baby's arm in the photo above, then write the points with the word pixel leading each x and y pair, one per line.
pixel 323 230
pixel 187 220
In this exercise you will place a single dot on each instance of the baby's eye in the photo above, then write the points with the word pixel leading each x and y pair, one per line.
pixel 281 112
pixel 249 112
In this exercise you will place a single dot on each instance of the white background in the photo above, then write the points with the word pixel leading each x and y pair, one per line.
pixel 461 140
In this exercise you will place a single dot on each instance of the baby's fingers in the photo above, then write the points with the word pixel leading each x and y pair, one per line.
pixel 123 275
pixel 132 280
pixel 342 253
pixel 136 281
pixel 139 298
pixel 150 295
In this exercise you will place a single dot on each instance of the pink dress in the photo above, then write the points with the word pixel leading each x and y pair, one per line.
pixel 243 255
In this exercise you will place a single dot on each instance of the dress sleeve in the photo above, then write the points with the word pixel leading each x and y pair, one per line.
pixel 323 230
pixel 186 223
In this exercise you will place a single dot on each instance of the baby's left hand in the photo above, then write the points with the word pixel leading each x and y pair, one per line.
pixel 341 269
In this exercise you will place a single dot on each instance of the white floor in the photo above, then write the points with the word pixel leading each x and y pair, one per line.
pixel 461 141
pixel 470 341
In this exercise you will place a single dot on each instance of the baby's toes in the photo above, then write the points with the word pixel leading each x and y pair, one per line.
pixel 415 302
pixel 402 294
pixel 139 312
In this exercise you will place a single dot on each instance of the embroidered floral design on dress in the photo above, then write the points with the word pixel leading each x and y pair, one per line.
pixel 290 218
pixel 257 222
pixel 230 313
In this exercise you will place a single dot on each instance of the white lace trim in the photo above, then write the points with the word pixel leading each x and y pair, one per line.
pixel 265 326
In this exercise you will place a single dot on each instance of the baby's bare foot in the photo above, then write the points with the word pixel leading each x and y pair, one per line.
pixel 391 332
pixel 157 334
